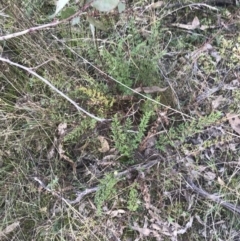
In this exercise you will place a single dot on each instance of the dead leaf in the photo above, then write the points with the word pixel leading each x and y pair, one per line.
pixel 216 55
pixel 209 176
pixel 10 228
pixel 104 144
pixel 234 122
pixel 195 22
pixel 155 5
pixel 115 213
pixel 206 47
pixel 216 103
pixel 221 182
pixel 62 129
pixel 150 90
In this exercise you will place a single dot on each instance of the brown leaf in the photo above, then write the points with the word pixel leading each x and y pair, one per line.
pixel 209 176
pixel 217 102
pixel 155 5
pixel 62 129
pixel 104 144
pixel 234 122
pixel 10 228
pixel 195 23
pixel 115 213
pixel 221 182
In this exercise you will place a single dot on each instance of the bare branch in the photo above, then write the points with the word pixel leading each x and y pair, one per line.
pixel 81 195
pixel 29 70
pixel 214 198
pixel 54 23
pixel 14 35
pixel 138 167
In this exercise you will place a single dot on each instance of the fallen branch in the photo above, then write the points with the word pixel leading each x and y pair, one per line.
pixel 48 25
pixel 33 29
pixel 233 208
pixel 81 195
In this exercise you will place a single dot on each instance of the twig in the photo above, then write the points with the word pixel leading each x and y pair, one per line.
pixel 138 167
pixel 29 70
pixel 38 66
pixel 54 193
pixel 81 195
pixel 214 198
pixel 48 25
pixel 14 35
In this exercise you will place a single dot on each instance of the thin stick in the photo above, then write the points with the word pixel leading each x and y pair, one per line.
pixel 29 70
pixel 14 35
pixel 233 208
pixel 54 23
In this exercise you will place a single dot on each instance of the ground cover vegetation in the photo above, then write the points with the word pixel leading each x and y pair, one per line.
pixel 144 145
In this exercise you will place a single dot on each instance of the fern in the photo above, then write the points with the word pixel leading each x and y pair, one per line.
pixel 133 201
pixel 85 124
pixel 126 141
pixel 97 98
pixel 121 137
pixel 142 126
pixel 185 130
pixel 105 192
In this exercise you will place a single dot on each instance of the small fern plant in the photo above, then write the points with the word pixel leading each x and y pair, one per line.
pixel 187 129
pixel 125 140
pixel 105 192
pixel 133 201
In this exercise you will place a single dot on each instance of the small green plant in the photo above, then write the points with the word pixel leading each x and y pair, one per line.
pixel 97 98
pixel 126 141
pixel 187 129
pixel 236 98
pixel 133 201
pixel 75 134
pixel 53 184
pixel 133 58
pixel 105 192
